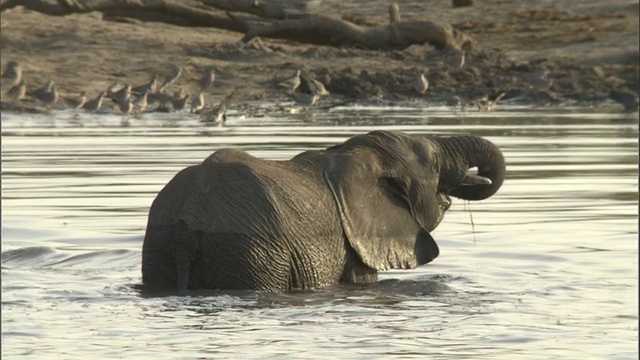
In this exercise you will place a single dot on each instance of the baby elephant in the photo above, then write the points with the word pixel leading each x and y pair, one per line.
pixel 323 217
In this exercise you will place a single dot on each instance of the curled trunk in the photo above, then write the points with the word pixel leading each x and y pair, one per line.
pixel 462 153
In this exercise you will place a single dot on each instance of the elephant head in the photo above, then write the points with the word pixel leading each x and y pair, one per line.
pixel 391 189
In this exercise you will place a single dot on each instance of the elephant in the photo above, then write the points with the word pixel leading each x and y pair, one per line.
pixel 337 215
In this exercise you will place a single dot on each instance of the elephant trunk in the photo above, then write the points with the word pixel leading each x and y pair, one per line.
pixel 460 153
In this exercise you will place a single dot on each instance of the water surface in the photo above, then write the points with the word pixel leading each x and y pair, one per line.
pixel 547 268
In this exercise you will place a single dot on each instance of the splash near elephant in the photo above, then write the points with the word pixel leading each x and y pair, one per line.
pixel 323 217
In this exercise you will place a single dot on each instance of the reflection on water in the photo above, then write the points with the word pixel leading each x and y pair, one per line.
pixel 546 268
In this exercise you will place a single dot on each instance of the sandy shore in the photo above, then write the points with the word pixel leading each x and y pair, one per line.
pixel 536 52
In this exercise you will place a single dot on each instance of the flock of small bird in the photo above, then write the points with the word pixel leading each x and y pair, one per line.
pixel 129 100
pixel 154 95
pixel 135 100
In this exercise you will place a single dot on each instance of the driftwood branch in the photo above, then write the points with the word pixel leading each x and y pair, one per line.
pixel 310 29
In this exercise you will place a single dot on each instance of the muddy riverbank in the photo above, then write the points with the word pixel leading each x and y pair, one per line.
pixel 528 52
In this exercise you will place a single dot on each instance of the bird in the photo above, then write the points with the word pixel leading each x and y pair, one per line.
pixel 421 84
pixel 627 99
pixel 458 59
pixel 18 91
pixel 159 97
pixel 113 88
pixel 484 104
pixel 13 72
pixel 394 13
pixel 125 106
pixel 454 101
pixel 537 78
pixel 297 8
pixel 173 79
pixel 291 83
pixel 148 87
pixel 140 103
pixel 315 86
pixel 121 94
pixel 206 81
pixel 178 101
pixel 94 105
pixel 77 103
pixel 197 104
pixel 47 95
pixel 217 115
pixel 304 99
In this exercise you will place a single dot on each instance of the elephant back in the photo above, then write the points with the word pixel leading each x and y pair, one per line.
pixel 232 191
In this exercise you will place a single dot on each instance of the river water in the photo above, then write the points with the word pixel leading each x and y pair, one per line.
pixel 545 269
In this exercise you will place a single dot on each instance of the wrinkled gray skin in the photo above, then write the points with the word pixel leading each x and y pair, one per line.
pixel 322 217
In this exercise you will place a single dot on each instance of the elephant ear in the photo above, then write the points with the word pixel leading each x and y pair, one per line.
pixel 385 210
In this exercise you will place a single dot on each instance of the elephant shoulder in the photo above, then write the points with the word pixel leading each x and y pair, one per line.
pixel 312 160
pixel 227 164
pixel 310 155
pixel 229 155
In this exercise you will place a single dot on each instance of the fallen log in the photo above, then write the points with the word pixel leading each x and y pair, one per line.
pixel 310 29
pixel 321 30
